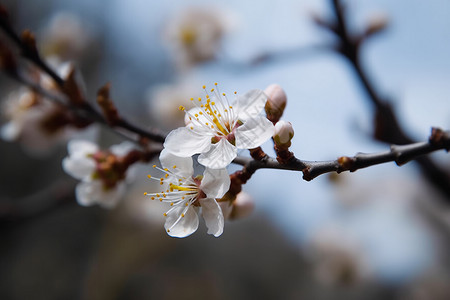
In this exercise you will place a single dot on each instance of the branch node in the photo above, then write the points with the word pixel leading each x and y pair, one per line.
pixel 106 104
pixel 258 154
pixel 72 89
pixel 346 164
pixel 439 138
pixel 29 43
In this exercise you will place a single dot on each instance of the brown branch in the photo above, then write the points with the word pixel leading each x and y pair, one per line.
pixel 387 127
pixel 27 45
pixel 400 154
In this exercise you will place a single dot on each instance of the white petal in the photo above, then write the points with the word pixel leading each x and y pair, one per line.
pixel 111 197
pixel 123 148
pixel 215 183
pixel 10 131
pixel 212 213
pixel 79 167
pixel 90 193
pixel 87 193
pixel 185 142
pixel 219 156
pixel 81 147
pixel 250 104
pixel 177 226
pixel 183 165
pixel 253 133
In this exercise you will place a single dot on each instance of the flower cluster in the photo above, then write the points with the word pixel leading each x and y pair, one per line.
pixel 215 129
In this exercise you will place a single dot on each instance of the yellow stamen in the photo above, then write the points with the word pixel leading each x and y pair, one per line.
pixel 183 188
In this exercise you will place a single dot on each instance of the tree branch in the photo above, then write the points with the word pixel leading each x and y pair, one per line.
pixel 387 126
pixel 27 45
pixel 400 154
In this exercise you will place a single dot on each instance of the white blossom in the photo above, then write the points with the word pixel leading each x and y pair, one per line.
pixel 66 36
pixel 217 129
pixel 100 181
pixel 164 101
pixel 195 34
pixel 27 116
pixel 186 194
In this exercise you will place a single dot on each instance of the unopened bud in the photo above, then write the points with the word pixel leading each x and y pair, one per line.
pixel 276 102
pixel 283 134
pixel 243 206
pixel 377 22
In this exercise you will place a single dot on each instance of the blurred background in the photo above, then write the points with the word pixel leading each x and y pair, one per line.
pixel 380 233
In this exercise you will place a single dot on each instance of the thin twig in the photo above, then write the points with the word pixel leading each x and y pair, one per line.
pixel 91 112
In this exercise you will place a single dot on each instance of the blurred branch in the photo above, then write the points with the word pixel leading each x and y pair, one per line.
pixel 387 126
pixel 400 154
pixel 27 45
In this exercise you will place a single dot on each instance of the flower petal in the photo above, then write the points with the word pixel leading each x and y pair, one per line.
pixel 215 183
pixel 219 155
pixel 185 142
pixel 253 133
pixel 178 226
pixel 79 167
pixel 10 131
pixel 250 104
pixel 212 213
pixel 183 165
pixel 90 193
pixel 81 147
pixel 123 148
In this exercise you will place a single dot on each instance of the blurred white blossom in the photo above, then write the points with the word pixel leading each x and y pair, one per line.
pixel 103 179
pixel 32 121
pixel 241 207
pixel 164 100
pixel 195 34
pixel 66 36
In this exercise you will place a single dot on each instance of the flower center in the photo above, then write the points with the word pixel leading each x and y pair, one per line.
pixel 188 36
pixel 109 169
pixel 215 115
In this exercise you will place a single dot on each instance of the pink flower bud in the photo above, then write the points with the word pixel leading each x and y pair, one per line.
pixel 283 134
pixel 276 102
pixel 243 206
